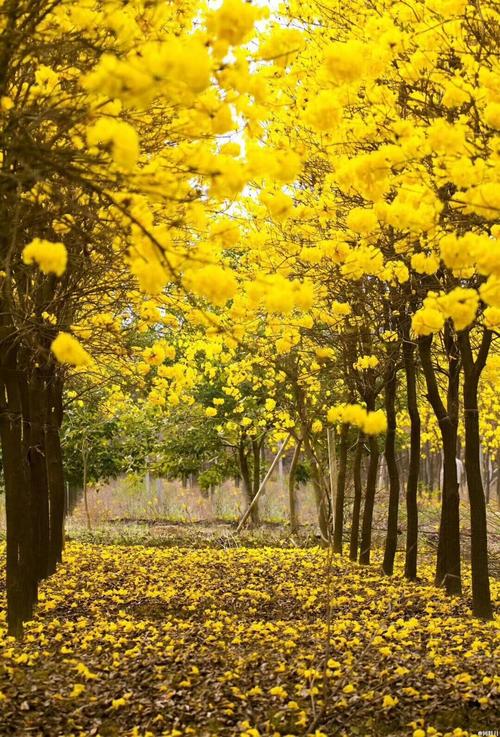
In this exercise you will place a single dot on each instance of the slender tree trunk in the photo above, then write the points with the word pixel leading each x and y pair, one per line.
pixel 281 474
pixel 431 467
pixel 391 540
pixel 356 507
pixel 292 489
pixel 371 486
pixel 332 474
pixel 498 478
pixel 487 474
pixel 247 483
pixel 338 529
pixel 481 598
pixel 255 517
pixel 448 567
pixel 414 462
pixel 85 483
pixel 55 473
pixel 37 456
pixel 255 467
pixel 319 491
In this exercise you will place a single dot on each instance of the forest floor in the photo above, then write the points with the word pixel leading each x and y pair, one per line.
pixel 135 641
pixel 212 533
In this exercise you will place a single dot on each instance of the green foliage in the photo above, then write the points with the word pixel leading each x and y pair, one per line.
pixel 91 439
pixel 303 472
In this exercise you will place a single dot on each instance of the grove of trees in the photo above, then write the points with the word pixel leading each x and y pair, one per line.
pixel 260 226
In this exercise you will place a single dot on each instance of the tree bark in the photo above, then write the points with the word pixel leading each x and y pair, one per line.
pixel 371 486
pixel 21 576
pixel 85 483
pixel 498 478
pixel 35 418
pixel 391 540
pixel 414 462
pixel 247 482
pixel 481 597
pixel 292 489
pixel 448 566
pixel 356 507
pixel 319 492
pixel 55 473
pixel 255 467
pixel 338 529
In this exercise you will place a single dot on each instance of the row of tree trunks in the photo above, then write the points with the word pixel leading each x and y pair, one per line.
pixel 459 353
pixel 30 416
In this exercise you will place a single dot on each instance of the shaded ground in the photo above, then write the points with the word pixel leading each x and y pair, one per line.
pixel 130 641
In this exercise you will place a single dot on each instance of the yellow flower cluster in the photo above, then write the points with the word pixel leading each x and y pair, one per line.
pixel 424 263
pixel 362 221
pixel 120 136
pixel 50 257
pixel 234 20
pixel 460 305
pixel 177 68
pixel 370 422
pixel 280 295
pixel 158 353
pixel 363 260
pixel 214 282
pixel 151 275
pixel 471 250
pixel 324 113
pixel 67 349
pixel 366 362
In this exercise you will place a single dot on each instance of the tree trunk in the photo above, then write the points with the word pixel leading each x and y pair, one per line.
pixel 55 474
pixel 255 467
pixel 431 466
pixel 319 491
pixel 391 540
pixel 247 483
pixel 371 485
pixel 35 417
pixel 498 478
pixel 85 483
pixel 292 489
pixel 487 474
pixel 338 529
pixel 356 507
pixel 481 598
pixel 448 566
pixel 21 577
pixel 414 462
